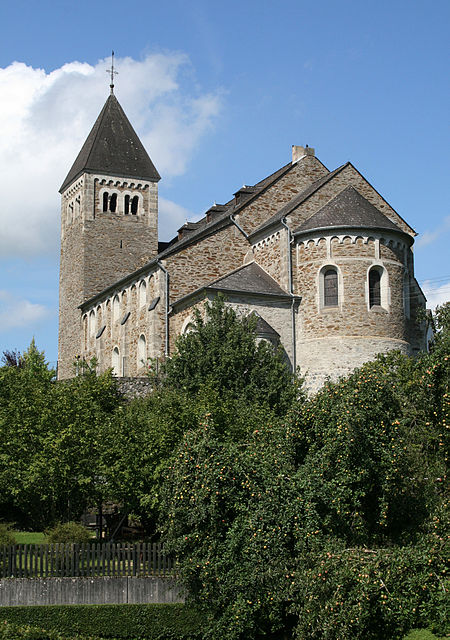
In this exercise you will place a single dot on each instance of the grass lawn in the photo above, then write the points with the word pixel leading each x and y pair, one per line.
pixel 29 537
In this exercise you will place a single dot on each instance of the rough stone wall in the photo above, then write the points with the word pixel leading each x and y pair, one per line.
pixel 206 260
pixel 117 244
pixel 334 340
pixel 271 254
pixel 70 291
pixel 112 311
pixel 302 174
pixel 97 249
pixel 348 176
pixel 335 357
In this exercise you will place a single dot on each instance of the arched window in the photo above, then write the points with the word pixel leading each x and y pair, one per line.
pixel 115 361
pixel 116 308
pixel 134 205
pixel 374 288
pixel 142 293
pixel 330 287
pixel 113 203
pixel 141 352
pixel 127 205
pixel 105 201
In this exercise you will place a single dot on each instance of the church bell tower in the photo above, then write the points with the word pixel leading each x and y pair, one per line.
pixel 109 220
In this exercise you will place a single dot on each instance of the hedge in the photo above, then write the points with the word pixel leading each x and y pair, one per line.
pixel 15 632
pixel 113 621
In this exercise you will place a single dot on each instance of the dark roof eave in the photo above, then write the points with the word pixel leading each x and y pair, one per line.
pixel 398 231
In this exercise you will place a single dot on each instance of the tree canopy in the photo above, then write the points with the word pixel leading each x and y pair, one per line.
pixel 330 526
pixel 222 352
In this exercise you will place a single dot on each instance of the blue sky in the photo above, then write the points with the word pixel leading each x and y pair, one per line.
pixel 218 92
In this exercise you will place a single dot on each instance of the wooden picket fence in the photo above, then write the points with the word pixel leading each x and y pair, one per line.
pixel 78 560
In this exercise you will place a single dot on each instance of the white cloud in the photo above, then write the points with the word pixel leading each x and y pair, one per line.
pixel 435 295
pixel 174 214
pixel 430 236
pixel 16 312
pixel 45 118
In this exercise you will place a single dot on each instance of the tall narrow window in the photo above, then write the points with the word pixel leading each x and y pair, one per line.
pixel 113 203
pixel 330 288
pixel 142 293
pixel 134 205
pixel 115 361
pixel 116 308
pixel 374 288
pixel 142 352
pixel 127 205
pixel 105 201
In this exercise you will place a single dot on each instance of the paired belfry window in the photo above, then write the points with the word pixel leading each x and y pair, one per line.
pixel 330 288
pixel 110 203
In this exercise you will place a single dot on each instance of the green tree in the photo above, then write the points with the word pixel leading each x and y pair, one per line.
pixel 51 441
pixel 330 528
pixel 139 443
pixel 222 352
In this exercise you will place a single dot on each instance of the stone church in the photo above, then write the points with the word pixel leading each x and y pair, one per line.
pixel 319 256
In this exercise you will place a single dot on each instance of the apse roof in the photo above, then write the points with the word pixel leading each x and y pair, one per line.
pixel 351 210
pixel 112 148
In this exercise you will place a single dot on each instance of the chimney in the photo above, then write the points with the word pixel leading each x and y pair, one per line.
pixel 300 152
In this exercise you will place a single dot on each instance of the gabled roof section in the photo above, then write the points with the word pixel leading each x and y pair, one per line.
pixel 112 148
pixel 348 209
pixel 297 200
pixel 250 278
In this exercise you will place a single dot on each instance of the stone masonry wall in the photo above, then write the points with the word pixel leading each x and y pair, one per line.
pixel 70 291
pixel 335 340
pixel 272 255
pixel 205 261
pixel 298 178
pixel 127 319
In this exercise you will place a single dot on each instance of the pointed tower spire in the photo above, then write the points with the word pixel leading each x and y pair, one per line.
pixel 113 148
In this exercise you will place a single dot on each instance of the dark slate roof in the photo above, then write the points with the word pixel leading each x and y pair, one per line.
pixel 112 148
pixel 263 327
pixel 297 200
pixel 250 278
pixel 351 210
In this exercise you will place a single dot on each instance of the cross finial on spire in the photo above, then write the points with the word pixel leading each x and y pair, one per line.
pixel 113 72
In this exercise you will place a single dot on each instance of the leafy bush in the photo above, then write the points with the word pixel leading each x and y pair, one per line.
pixel 132 621
pixel 7 537
pixel 421 634
pixel 16 632
pixel 68 532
